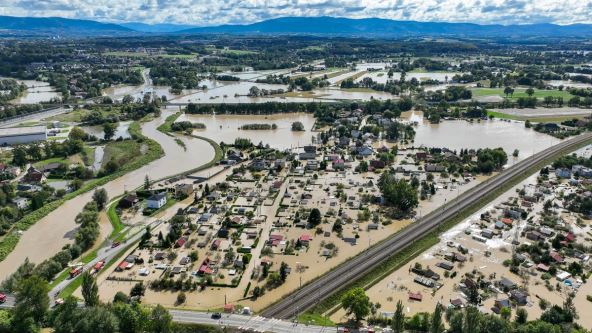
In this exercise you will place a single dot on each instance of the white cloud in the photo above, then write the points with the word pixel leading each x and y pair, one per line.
pixel 214 12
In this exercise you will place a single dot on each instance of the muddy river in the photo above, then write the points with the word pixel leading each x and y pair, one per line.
pixel 58 228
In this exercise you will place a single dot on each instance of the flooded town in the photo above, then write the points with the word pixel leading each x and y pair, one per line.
pixel 214 181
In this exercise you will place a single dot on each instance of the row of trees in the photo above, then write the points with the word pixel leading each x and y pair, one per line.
pixel 555 319
pixel 86 235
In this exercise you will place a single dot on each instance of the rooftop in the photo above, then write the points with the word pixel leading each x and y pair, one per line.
pixel 17 131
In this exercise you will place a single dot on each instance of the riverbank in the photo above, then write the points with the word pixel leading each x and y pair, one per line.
pixel 153 152
pixel 57 228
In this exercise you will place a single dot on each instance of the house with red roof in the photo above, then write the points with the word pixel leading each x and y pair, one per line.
pixel 305 239
pixel 558 259
pixel 204 268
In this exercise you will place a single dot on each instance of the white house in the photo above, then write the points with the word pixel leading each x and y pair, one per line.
pixel 156 201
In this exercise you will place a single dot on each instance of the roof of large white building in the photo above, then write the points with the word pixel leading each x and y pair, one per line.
pixel 19 131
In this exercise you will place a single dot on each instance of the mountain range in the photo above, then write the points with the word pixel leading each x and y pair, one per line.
pixel 330 26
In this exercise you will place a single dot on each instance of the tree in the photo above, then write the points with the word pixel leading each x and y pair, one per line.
pixel 90 290
pixel 76 133
pixel 436 324
pixel 96 319
pixel 398 192
pixel 521 316
pixel 132 318
pixel 530 92
pixel 181 298
pixel 100 197
pixel 356 302
pixel 508 91
pixel 32 304
pixel 297 126
pixel 161 320
pixel 109 130
pixel 19 156
pixel 65 316
pixel 471 320
pixel 146 183
pixel 283 271
pixel 138 290
pixel 120 297
pixel 399 319
pixel 506 313
pixel 314 218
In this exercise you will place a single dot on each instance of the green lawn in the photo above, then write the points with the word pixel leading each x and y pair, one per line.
pixel 74 116
pixel 114 219
pixel 122 151
pixel 315 319
pixel 520 92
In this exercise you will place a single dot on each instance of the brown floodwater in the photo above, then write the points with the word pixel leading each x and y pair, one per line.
pixel 58 228
pixel 225 128
pixel 37 92
pixel 461 134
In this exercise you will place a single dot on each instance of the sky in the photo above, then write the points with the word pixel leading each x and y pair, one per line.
pixel 215 12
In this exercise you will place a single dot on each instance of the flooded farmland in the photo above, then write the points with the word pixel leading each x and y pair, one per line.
pixel 461 134
pixel 37 92
pixel 225 128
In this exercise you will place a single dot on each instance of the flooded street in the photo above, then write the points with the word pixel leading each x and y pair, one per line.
pixel 461 134
pixel 58 228
pixel 225 128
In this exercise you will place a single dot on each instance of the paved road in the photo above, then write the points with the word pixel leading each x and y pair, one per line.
pixel 325 286
pixel 251 323
pixel 106 253
pixel 33 116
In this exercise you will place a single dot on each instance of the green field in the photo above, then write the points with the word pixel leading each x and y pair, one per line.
pixel 122 151
pixel 520 92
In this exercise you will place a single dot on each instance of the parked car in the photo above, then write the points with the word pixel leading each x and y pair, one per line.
pixel 216 315
pixel 2 298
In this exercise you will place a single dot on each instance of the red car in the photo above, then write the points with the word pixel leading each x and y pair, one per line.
pixel 2 298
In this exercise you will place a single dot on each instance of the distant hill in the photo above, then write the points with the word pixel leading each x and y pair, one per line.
pixel 324 26
pixel 157 28
pixel 392 28
pixel 58 25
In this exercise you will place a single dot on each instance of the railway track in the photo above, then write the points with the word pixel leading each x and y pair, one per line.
pixel 328 284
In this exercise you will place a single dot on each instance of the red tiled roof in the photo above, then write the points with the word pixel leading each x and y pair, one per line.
pixel 415 296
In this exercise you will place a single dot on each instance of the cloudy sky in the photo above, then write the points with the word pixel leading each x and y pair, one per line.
pixel 214 12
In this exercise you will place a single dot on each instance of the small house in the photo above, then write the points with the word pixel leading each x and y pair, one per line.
pixel 520 297
pixel 156 201
pixel 305 239
pixel 183 190
pixel 128 201
pixel 34 176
